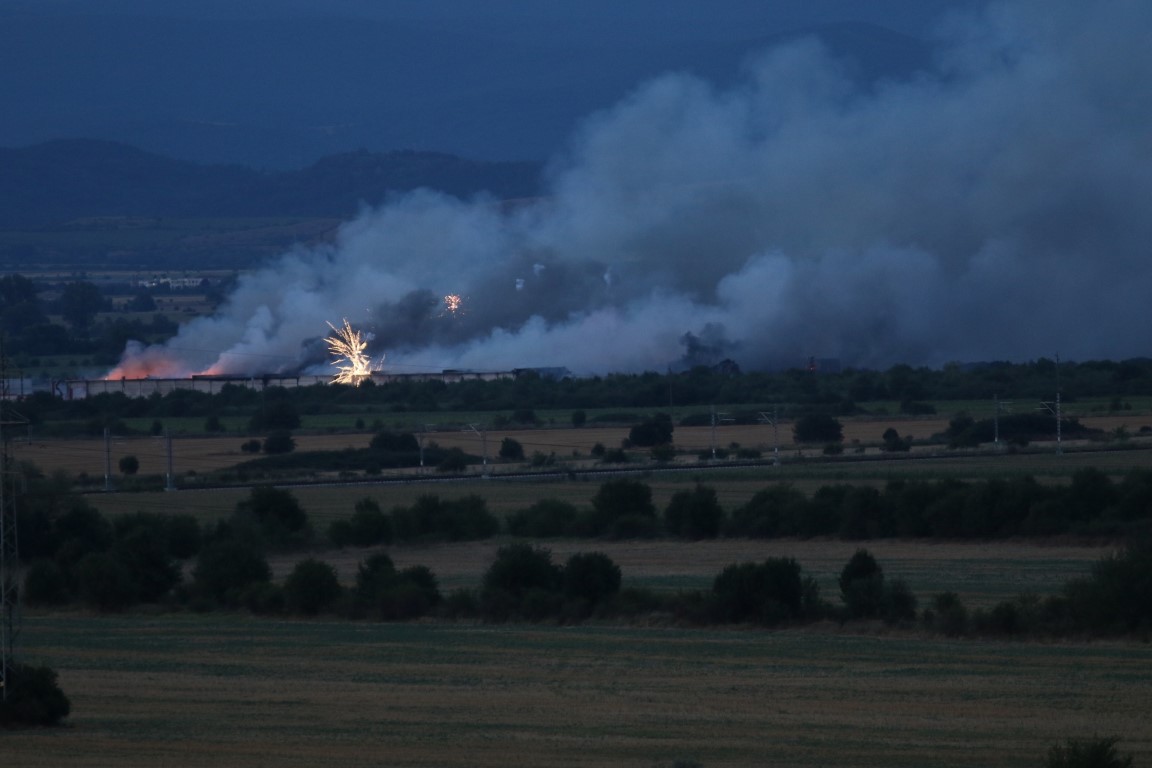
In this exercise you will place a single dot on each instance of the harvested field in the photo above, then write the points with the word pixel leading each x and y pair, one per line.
pixel 573 446
pixel 233 691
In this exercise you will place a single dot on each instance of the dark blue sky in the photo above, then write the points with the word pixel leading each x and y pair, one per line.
pixel 279 83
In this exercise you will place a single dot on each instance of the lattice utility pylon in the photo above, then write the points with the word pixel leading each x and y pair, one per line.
pixel 9 549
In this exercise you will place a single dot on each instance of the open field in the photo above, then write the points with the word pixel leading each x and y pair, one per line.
pixel 207 454
pixel 218 690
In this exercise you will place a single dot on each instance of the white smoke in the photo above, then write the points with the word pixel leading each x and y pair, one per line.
pixel 995 208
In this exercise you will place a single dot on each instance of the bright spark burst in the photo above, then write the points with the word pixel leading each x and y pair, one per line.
pixel 348 346
pixel 453 304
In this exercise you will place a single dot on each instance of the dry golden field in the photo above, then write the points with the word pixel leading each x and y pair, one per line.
pixel 207 454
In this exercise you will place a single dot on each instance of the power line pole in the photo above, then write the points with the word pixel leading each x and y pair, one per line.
pixel 107 459
pixel 774 420
pixel 1054 409
pixel 484 444
pixel 170 482
pixel 9 549
pixel 1000 407
pixel 717 417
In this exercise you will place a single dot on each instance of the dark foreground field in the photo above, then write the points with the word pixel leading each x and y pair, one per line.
pixel 185 690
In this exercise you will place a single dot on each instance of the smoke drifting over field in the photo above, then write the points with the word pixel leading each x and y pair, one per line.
pixel 996 207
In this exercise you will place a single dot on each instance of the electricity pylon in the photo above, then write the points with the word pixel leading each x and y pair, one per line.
pixel 9 549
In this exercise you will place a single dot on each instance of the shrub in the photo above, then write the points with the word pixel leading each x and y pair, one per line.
pixel 694 514
pixel 614 456
pixel 591 578
pixel 774 511
pixel 431 518
pixel 393 596
pixel 545 519
pixel 373 574
pixel 519 568
pixel 454 460
pixel 634 527
pixel 898 602
pixel 277 515
pixel 950 615
pixel 250 446
pixel 32 697
pixel 279 414
pixel 225 568
pixel 862 585
pixel 1096 752
pixel 524 416
pixel 144 551
pixel 620 498
pixel 766 593
pixel 394 442
pixel 340 533
pixel 84 524
pixel 263 598
pixel 511 449
pixel 893 443
pixel 279 442
pixel 105 583
pixel 654 431
pixel 129 465
pixel 184 536
pixel 541 459
pixel 1114 598
pixel 44 584
pixel 311 587
pixel 369 525
pixel 817 428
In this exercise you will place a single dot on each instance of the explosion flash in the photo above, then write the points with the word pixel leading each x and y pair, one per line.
pixel 453 305
pixel 353 365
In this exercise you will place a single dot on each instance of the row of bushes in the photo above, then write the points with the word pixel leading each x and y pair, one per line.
pixel 76 554
pixel 1091 504
pixel 81 555
pixel 138 559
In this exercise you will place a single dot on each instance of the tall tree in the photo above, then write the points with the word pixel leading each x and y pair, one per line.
pixel 79 303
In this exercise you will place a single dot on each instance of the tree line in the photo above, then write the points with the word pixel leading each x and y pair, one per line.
pixel 31 334
pixel 75 554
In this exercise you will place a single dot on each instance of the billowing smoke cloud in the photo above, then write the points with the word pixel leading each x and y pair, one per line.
pixel 995 208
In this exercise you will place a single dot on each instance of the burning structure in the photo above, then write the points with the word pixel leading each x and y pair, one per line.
pixel 953 215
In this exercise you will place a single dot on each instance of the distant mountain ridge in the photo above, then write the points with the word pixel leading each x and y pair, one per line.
pixel 498 83
pixel 57 181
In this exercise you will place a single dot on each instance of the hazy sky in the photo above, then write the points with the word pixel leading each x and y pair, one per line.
pixel 280 83
pixel 994 207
